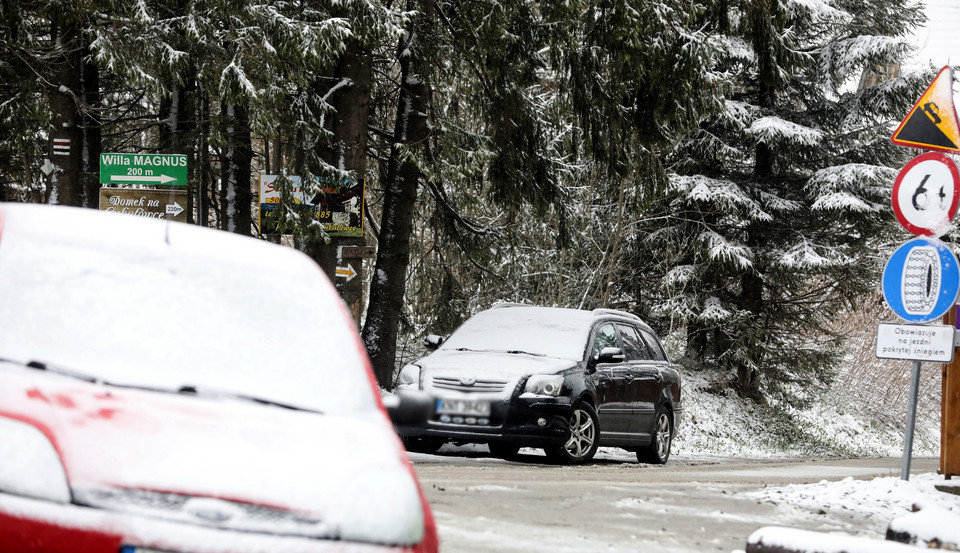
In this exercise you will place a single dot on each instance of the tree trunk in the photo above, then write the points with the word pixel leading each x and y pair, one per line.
pixel 177 115
pixel 204 187
pixel 91 132
pixel 348 151
pixel 351 99
pixel 751 299
pixel 65 94
pixel 276 156
pixel 751 282
pixel 235 193
pixel 400 195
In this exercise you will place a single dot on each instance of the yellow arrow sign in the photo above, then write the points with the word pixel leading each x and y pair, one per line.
pixel 347 272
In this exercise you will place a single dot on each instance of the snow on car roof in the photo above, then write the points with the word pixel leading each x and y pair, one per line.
pixel 168 305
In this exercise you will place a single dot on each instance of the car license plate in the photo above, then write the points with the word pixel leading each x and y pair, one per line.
pixel 463 407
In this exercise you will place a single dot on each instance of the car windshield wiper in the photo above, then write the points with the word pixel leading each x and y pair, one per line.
pixel 55 369
pixel 202 391
pixel 187 389
pixel 510 351
pixel 521 352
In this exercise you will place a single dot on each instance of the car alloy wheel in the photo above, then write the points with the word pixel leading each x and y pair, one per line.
pixel 659 450
pixel 582 443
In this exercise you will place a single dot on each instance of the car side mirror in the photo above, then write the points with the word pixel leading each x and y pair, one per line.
pixel 432 341
pixel 611 355
pixel 409 408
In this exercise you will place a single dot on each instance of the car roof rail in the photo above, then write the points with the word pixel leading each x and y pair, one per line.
pixel 617 312
pixel 510 304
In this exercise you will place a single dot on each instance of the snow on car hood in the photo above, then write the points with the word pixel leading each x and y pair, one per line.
pixel 348 473
pixel 480 364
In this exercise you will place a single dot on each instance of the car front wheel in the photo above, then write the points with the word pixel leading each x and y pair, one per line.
pixel 582 442
pixel 659 450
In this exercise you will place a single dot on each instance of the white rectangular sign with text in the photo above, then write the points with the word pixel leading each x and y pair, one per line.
pixel 915 342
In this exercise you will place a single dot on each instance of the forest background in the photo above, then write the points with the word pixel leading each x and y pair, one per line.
pixel 721 168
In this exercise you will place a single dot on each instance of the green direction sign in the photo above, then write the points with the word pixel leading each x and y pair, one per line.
pixel 169 169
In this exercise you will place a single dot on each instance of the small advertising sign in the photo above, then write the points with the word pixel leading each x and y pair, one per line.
pixel 340 210
pixel 155 204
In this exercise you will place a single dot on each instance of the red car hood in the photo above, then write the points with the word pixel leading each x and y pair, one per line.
pixel 348 472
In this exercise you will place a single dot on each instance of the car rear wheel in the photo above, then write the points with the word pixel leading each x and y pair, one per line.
pixel 503 450
pixel 658 451
pixel 582 442
pixel 423 444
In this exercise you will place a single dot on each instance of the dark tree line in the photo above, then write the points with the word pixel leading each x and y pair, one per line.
pixel 616 153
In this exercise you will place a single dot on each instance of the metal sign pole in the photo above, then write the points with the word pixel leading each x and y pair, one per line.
pixel 911 421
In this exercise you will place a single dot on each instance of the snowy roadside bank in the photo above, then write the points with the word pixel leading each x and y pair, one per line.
pixel 923 512
pixel 720 423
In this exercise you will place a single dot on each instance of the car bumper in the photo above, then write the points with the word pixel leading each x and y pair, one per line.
pixel 528 422
pixel 28 525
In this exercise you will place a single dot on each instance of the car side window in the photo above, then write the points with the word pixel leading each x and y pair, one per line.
pixel 655 347
pixel 606 338
pixel 633 345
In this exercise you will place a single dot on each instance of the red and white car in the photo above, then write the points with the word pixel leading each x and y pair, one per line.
pixel 170 388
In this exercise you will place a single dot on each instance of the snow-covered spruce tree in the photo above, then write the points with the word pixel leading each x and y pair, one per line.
pixel 23 112
pixel 564 107
pixel 251 61
pixel 777 204
pixel 496 160
pixel 49 95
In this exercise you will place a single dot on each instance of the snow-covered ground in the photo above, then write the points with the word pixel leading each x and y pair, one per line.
pixel 884 498
pixel 843 423
pixel 719 423
pixel 926 508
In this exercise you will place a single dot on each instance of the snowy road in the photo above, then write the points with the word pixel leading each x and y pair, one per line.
pixel 697 504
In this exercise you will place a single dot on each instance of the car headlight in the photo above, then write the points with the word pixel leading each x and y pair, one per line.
pixel 544 385
pixel 409 377
pixel 30 466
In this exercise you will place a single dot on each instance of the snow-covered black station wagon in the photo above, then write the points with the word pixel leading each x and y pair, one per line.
pixel 565 380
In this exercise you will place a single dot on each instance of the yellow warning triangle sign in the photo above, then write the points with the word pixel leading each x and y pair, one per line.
pixel 932 123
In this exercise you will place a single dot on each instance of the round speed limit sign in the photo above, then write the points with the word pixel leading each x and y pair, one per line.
pixel 926 194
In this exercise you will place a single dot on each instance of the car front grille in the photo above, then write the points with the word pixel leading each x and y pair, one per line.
pixel 467 386
pixel 224 514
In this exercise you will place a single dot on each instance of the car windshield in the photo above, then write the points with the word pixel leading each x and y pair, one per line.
pixel 551 332
pixel 226 315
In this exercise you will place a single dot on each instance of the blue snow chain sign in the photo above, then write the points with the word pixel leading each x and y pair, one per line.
pixel 921 280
